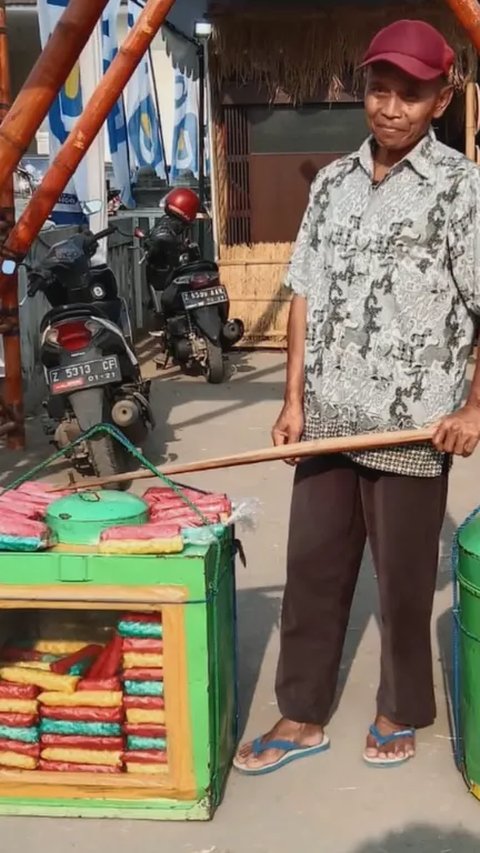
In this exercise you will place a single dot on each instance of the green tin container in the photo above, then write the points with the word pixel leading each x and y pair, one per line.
pixel 469 584
pixel 80 519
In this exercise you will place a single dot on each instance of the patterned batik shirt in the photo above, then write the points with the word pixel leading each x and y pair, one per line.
pixel 391 274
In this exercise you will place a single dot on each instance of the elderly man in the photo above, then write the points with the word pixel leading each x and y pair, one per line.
pixel 386 285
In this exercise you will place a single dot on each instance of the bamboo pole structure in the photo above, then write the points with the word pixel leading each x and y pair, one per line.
pixel 86 129
pixel 467 13
pixel 301 450
pixel 470 120
pixel 12 391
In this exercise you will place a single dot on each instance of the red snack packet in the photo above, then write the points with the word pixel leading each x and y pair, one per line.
pixel 146 756
pixel 108 663
pixel 142 617
pixel 31 749
pixel 147 702
pixel 140 532
pixel 17 720
pixel 68 767
pixel 95 685
pixel 63 665
pixel 11 653
pixel 83 742
pixel 86 715
pixel 18 691
pixel 166 494
pixel 145 730
pixel 140 673
pixel 139 644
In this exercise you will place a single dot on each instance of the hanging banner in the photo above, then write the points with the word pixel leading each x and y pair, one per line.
pixel 87 184
pixel 143 124
pixel 185 129
pixel 116 122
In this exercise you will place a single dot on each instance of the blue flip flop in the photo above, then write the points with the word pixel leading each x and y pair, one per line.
pixel 383 740
pixel 292 752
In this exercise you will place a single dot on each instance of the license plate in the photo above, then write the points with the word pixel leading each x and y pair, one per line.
pixel 89 374
pixel 202 298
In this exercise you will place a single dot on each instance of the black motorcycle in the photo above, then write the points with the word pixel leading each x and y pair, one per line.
pixel 90 365
pixel 190 305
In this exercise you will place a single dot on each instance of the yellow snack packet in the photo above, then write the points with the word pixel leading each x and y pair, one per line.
pixel 146 769
pixel 15 759
pixel 18 706
pixel 107 757
pixel 45 680
pixel 83 699
pixel 143 715
pixel 142 659
pixel 173 545
pixel 58 647
pixel 30 664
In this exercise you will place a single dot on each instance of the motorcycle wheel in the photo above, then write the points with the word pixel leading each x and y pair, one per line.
pixel 215 366
pixel 108 458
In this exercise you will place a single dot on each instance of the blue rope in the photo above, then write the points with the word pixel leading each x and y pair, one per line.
pixel 457 628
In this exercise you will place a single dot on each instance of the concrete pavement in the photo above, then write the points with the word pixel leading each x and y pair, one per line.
pixel 332 803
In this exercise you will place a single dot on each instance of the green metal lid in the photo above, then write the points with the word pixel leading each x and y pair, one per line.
pixel 79 519
pixel 469 537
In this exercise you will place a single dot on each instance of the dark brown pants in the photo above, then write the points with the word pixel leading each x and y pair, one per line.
pixel 335 506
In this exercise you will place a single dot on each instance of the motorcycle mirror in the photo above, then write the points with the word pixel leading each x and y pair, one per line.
pixel 89 208
pixel 139 233
pixel 8 266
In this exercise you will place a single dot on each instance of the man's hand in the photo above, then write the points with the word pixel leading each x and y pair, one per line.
pixel 459 433
pixel 288 428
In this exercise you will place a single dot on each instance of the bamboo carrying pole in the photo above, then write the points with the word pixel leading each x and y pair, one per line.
pixel 48 75
pixel 86 128
pixel 12 386
pixel 471 120
pixel 303 449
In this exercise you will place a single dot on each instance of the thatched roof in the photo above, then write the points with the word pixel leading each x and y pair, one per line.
pixel 296 47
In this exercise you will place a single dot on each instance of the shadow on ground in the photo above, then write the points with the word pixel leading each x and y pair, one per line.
pixel 421 838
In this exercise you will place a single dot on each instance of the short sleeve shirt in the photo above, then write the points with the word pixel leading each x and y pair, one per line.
pixel 391 274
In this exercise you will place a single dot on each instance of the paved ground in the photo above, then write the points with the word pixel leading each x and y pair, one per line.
pixel 333 803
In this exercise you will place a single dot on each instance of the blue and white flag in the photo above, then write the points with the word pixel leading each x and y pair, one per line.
pixel 144 132
pixel 116 122
pixel 185 129
pixel 88 183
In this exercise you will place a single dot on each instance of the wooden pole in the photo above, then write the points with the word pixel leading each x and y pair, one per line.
pixel 13 390
pixel 467 13
pixel 48 75
pixel 470 120
pixel 268 454
pixel 86 129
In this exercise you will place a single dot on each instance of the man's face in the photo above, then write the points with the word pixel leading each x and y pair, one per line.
pixel 399 108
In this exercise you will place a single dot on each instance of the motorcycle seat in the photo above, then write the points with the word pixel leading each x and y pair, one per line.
pixel 192 267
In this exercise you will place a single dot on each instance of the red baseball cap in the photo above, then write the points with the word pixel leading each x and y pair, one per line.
pixel 415 47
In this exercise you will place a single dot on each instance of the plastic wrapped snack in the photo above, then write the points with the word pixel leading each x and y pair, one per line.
pixel 146 769
pixel 143 688
pixel 108 662
pixel 140 628
pixel 146 756
pixel 18 691
pixel 46 680
pixel 18 706
pixel 22 534
pixel 28 664
pixel 142 673
pixel 139 644
pixel 145 730
pixel 87 715
pixel 26 735
pixel 150 702
pixel 83 756
pixel 141 539
pixel 133 659
pixel 68 767
pixel 22 720
pixel 134 742
pixel 32 749
pixel 82 742
pixel 94 685
pixel 18 759
pixel 16 654
pixel 78 727
pixel 57 647
pixel 85 656
pixel 185 517
pixel 165 494
pixel 100 699
pixel 139 715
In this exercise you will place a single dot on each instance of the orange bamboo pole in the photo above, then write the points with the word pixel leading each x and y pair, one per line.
pixel 12 386
pixel 86 129
pixel 467 13
pixel 45 80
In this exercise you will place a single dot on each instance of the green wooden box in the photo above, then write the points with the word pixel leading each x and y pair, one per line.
pixel 195 592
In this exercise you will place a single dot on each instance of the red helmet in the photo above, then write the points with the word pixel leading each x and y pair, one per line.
pixel 182 203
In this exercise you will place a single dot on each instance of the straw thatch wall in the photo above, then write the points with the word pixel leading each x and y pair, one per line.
pixel 254 278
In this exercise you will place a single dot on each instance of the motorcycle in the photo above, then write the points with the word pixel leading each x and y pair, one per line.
pixel 90 366
pixel 190 305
